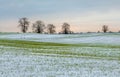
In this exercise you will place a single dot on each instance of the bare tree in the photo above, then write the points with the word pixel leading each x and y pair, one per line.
pixel 66 28
pixel 98 31
pixel 119 31
pixel 105 28
pixel 24 24
pixel 51 28
pixel 38 27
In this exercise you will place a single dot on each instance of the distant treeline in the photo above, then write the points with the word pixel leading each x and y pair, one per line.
pixel 39 27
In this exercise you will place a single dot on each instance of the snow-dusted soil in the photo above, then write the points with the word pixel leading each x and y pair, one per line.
pixel 16 62
pixel 103 38
pixel 83 62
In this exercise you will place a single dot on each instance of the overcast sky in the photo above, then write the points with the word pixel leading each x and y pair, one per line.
pixel 82 15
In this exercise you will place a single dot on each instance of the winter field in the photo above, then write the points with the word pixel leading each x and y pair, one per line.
pixel 59 55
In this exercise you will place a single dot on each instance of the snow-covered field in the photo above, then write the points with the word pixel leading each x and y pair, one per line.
pixel 108 38
pixel 76 61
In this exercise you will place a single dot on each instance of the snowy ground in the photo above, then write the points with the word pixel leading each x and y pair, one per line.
pixel 83 62
pixel 108 38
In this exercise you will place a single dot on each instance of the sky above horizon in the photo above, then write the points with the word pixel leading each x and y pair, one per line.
pixel 82 15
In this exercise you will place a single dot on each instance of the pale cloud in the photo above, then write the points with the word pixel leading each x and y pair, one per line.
pixel 83 15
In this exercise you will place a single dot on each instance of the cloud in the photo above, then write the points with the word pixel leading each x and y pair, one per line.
pixel 15 8
pixel 79 13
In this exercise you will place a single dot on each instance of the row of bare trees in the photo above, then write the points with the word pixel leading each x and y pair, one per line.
pixel 39 27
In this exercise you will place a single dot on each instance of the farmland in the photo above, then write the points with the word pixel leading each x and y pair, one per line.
pixel 59 55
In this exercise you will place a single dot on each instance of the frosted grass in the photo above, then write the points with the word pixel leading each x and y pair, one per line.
pixel 16 62
pixel 83 62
